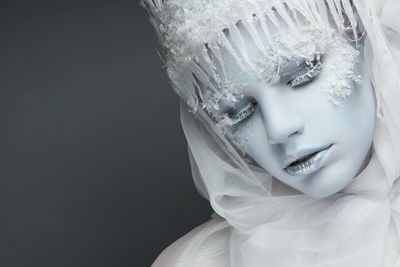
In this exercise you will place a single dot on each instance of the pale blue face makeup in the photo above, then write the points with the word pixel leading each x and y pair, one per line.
pixel 293 129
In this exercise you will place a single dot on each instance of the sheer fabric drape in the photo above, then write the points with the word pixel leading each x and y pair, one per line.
pixel 257 226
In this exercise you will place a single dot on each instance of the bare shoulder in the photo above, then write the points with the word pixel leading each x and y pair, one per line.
pixel 206 245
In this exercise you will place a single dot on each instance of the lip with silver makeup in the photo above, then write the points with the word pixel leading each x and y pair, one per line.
pixel 307 162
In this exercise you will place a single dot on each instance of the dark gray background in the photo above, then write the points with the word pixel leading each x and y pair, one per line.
pixel 94 168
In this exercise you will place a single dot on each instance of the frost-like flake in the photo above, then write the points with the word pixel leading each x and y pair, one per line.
pixel 260 36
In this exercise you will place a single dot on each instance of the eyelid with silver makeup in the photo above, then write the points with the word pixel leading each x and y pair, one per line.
pixel 243 113
pixel 315 69
pixel 308 77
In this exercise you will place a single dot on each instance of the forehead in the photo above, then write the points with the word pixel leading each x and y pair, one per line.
pixel 185 25
pixel 249 56
pixel 197 48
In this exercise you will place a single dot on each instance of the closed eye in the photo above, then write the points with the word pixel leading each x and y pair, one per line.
pixel 313 69
pixel 243 113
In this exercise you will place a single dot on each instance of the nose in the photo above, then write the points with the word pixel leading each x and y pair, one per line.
pixel 282 121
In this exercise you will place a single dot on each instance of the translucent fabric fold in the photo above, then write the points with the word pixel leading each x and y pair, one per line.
pixel 260 222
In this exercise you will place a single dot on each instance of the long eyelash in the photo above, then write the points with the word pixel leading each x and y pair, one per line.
pixel 311 74
pixel 243 113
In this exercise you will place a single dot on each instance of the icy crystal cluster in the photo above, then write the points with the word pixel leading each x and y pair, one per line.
pixel 338 86
pixel 193 33
pixel 186 25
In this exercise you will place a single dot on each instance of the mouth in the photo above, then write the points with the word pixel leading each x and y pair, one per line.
pixel 307 163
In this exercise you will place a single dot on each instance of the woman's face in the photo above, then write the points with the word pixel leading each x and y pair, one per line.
pixel 311 125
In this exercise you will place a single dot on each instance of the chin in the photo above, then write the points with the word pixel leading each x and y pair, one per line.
pixel 322 194
pixel 328 182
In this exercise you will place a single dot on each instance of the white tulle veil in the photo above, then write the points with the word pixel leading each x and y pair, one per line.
pixel 259 225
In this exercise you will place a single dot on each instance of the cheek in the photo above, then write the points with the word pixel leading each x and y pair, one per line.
pixel 251 138
pixel 349 112
pixel 356 118
pixel 249 133
pixel 340 74
pixel 350 125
